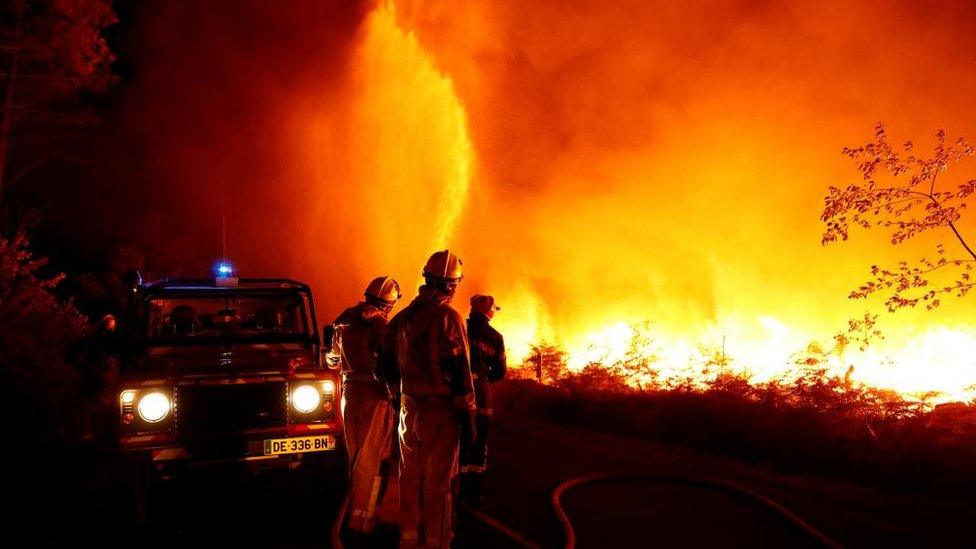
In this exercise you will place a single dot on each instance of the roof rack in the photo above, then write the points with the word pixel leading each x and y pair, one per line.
pixel 211 284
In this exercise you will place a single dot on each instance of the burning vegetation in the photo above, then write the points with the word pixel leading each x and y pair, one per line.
pixel 928 370
pixel 809 418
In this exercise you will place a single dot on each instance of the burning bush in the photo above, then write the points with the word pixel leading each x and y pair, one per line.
pixel 807 419
pixel 595 377
pixel 547 362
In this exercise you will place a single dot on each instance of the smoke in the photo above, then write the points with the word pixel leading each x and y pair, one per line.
pixel 320 131
pixel 667 161
pixel 196 132
pixel 592 162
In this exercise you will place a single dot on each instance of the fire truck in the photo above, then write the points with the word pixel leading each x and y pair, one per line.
pixel 225 371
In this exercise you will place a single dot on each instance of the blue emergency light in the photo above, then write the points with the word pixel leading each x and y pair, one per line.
pixel 225 274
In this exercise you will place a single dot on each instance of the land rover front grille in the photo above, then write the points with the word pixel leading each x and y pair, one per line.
pixel 224 409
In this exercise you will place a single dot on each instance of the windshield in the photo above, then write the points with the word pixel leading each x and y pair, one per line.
pixel 193 317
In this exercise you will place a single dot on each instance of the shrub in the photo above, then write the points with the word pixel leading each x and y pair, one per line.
pixel 810 425
pixel 37 387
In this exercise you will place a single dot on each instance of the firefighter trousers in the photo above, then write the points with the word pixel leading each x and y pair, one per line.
pixel 428 465
pixel 368 426
pixel 474 446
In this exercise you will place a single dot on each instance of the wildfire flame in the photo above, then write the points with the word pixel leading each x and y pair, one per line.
pixel 938 365
pixel 599 168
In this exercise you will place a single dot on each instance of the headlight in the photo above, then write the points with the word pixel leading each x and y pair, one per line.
pixel 328 386
pixel 154 407
pixel 305 398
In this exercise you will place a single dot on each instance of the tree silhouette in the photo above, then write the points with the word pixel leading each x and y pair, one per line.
pixel 901 193
pixel 636 367
pixel 36 384
pixel 548 361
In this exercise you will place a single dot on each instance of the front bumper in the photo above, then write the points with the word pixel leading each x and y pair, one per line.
pixel 170 457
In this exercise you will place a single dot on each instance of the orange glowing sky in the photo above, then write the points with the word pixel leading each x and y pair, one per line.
pixel 606 164
pixel 597 164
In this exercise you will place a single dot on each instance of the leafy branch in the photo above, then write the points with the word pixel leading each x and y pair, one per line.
pixel 909 203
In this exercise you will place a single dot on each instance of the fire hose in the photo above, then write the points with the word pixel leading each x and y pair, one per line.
pixel 569 532
pixel 687 480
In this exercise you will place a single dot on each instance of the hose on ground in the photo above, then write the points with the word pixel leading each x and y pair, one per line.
pixel 499 527
pixel 688 480
pixel 567 525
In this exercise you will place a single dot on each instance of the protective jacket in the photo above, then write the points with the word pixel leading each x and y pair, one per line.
pixel 488 363
pixel 367 414
pixel 360 340
pixel 426 355
pixel 426 351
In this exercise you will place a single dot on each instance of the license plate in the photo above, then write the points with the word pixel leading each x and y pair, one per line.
pixel 277 446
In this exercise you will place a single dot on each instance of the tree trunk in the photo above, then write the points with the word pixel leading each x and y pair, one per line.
pixel 8 100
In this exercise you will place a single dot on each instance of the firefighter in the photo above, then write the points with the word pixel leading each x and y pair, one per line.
pixel 425 358
pixel 487 366
pixel 366 410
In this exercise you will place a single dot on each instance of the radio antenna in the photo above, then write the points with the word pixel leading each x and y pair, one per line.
pixel 223 238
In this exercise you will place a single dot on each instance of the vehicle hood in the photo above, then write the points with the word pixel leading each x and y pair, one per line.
pixel 280 358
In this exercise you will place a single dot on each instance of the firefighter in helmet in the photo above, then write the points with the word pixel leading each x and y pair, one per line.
pixel 487 366
pixel 425 357
pixel 366 410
